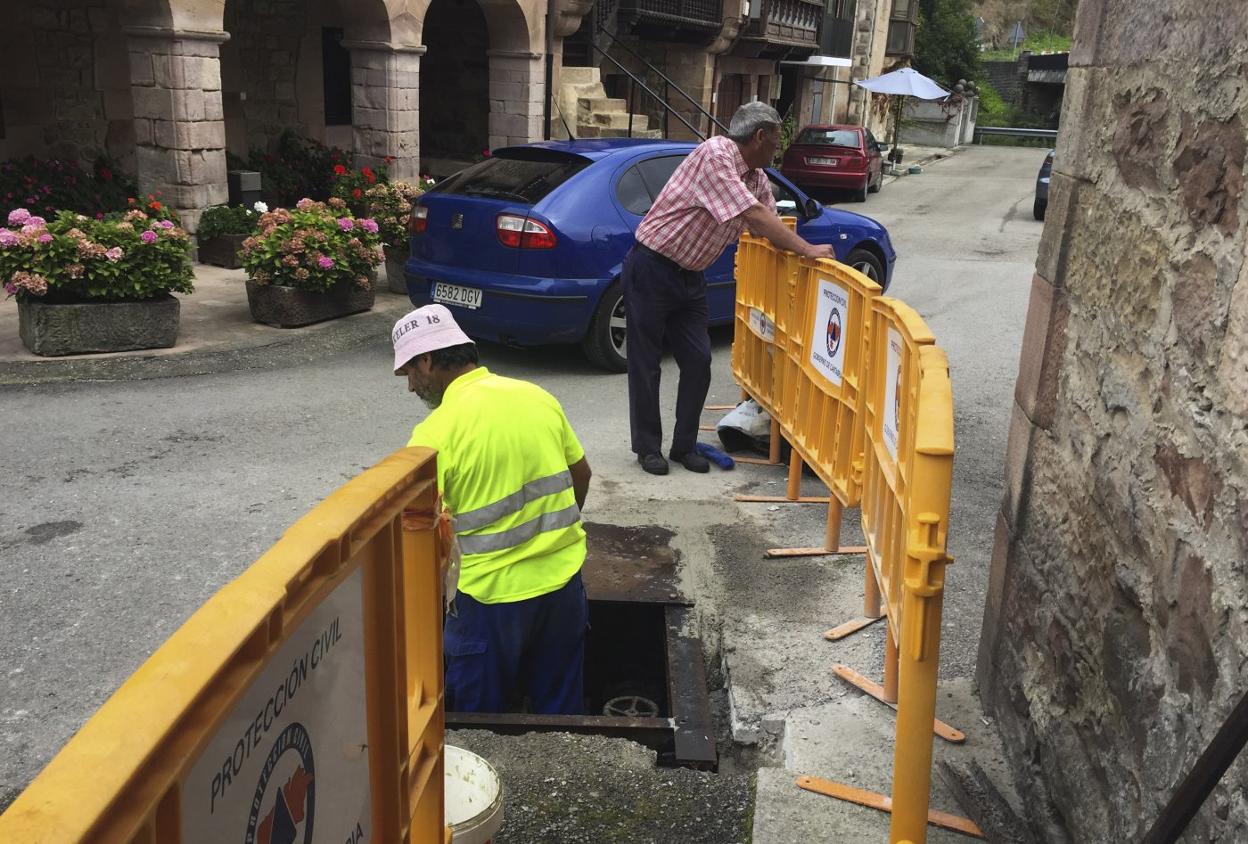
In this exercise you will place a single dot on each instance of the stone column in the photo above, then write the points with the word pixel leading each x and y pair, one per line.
pixel 175 79
pixel 517 92
pixel 385 105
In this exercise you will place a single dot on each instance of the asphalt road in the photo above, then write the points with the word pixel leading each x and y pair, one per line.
pixel 123 506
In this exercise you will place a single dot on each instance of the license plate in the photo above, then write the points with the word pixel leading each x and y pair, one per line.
pixel 453 294
pixel 830 162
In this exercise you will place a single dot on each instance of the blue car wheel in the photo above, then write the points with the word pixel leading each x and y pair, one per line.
pixel 606 343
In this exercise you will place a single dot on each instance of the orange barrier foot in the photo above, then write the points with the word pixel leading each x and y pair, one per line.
pixel 707 428
pixel 719 407
pixel 884 803
pixel 780 499
pixel 816 552
pixel 849 675
pixel 851 627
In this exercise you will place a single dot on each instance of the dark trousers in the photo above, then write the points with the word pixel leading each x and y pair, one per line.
pixel 498 653
pixel 664 302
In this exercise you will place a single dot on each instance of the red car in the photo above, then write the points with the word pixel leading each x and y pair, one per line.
pixel 840 157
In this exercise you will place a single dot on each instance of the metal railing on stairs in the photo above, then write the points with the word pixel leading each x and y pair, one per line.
pixel 668 86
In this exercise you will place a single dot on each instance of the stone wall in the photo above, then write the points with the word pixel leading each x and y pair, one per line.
pixel 260 70
pixel 455 82
pixel 1116 628
pixel 64 82
pixel 1004 76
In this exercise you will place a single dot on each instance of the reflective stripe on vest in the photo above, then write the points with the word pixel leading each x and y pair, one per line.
pixel 485 543
pixel 514 503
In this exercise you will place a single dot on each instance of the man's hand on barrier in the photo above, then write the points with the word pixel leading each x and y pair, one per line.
pixel 821 250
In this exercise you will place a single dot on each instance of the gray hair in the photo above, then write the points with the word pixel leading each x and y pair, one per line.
pixel 751 117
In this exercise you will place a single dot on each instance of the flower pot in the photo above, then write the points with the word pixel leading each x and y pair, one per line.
pixel 396 256
pixel 79 328
pixel 221 250
pixel 291 307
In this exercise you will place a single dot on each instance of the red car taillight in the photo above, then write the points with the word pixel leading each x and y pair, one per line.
pixel 419 221
pixel 523 233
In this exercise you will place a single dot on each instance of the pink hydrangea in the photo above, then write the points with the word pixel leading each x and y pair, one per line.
pixel 45 238
pixel 165 224
pixel 7 238
pixel 304 204
pixel 369 225
pixel 325 262
pixel 148 236
pixel 18 216
pixel 32 283
pixel 37 222
pixel 10 288
pixel 114 254
pixel 347 224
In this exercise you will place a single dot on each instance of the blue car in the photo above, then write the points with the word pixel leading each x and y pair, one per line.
pixel 526 247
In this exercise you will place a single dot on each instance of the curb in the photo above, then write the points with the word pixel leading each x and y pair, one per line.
pixel 927 159
pixel 347 333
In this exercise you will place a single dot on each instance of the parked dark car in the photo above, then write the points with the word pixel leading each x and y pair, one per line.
pixel 1042 187
pixel 840 157
pixel 526 247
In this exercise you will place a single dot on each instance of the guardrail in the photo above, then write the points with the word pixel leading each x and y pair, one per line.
pixel 1010 132
pixel 307 692
pixel 854 382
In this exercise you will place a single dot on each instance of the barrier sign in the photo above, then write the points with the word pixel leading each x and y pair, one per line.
pixel 827 346
pixel 301 704
pixel 289 765
pixel 763 327
pixel 892 392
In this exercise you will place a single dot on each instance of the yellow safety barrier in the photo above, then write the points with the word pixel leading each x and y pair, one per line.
pixel 307 692
pixel 854 382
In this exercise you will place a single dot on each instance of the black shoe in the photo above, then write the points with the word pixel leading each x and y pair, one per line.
pixel 654 463
pixel 692 461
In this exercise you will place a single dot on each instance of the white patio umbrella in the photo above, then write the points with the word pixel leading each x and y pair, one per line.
pixel 905 82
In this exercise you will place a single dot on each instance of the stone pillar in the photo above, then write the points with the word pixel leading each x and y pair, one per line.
pixel 175 78
pixel 1116 627
pixel 385 106
pixel 517 94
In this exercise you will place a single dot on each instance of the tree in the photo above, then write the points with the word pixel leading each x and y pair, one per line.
pixel 945 47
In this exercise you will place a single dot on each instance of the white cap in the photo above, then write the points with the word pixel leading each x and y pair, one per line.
pixel 425 330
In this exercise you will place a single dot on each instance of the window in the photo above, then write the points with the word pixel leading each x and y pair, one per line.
pixel 632 194
pixel 642 183
pixel 828 138
pixel 786 201
pixel 336 78
pixel 521 175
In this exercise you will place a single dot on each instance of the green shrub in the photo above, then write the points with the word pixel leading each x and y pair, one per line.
pixel 130 256
pixel 298 168
pixel 47 185
pixel 226 219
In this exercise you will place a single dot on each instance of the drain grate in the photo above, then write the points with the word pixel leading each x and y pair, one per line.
pixel 642 670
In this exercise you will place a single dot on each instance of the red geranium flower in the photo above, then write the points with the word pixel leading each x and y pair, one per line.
pixel 154 205
pixel 369 176
pixel 339 169
pixel 357 193
pixel 389 159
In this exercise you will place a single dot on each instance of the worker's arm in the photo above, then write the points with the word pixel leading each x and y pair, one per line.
pixel 580 481
pixel 763 222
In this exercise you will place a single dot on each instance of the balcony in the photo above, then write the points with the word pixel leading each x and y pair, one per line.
pixel 682 21
pixel 902 23
pixel 781 29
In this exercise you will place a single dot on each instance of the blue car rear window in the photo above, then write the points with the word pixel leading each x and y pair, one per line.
pixel 517 175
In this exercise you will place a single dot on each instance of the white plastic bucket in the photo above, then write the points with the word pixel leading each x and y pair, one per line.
pixel 474 797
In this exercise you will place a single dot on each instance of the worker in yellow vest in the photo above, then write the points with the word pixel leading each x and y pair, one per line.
pixel 514 477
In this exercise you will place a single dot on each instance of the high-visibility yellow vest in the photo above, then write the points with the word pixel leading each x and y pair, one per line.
pixel 504 448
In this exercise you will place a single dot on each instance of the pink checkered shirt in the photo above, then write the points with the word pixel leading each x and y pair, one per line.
pixel 699 211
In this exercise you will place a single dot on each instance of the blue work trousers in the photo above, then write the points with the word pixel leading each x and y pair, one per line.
pixel 498 653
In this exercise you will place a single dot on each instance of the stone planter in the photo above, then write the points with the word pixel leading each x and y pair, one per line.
pixel 79 328
pixel 395 258
pixel 290 307
pixel 222 250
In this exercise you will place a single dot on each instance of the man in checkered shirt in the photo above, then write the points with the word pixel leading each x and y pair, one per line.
pixel 716 193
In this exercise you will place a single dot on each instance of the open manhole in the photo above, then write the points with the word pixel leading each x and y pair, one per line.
pixel 644 678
